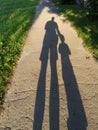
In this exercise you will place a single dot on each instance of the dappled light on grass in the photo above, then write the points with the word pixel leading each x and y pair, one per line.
pixel 86 27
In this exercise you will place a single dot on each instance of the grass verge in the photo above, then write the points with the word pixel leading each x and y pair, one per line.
pixel 86 28
pixel 15 20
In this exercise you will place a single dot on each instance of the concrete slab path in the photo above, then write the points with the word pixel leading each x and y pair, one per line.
pixel 55 85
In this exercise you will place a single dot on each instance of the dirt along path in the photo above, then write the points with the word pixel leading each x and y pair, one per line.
pixel 55 85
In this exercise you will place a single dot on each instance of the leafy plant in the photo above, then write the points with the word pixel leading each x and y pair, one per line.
pixel 86 28
pixel 92 7
pixel 15 20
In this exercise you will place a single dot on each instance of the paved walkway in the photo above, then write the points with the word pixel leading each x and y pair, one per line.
pixel 55 86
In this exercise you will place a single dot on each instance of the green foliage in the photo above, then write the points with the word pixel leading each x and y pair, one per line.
pixel 86 28
pixel 92 7
pixel 64 1
pixel 15 19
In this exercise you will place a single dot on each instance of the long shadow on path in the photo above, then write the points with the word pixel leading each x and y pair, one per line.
pixel 77 118
pixel 49 47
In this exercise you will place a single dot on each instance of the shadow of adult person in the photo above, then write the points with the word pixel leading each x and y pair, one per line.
pixel 49 47
pixel 77 118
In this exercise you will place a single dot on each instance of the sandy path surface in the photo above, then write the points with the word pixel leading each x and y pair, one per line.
pixel 55 85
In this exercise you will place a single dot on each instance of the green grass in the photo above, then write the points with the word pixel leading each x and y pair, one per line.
pixel 15 20
pixel 86 27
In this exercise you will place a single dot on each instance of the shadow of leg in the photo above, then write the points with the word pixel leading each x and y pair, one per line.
pixel 40 98
pixel 54 98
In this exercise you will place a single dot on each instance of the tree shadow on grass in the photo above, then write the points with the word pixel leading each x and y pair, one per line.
pixel 77 118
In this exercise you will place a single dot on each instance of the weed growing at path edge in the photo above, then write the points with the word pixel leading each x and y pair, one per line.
pixel 15 20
